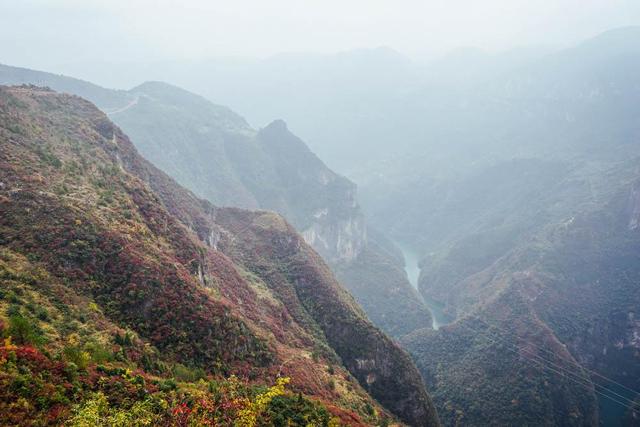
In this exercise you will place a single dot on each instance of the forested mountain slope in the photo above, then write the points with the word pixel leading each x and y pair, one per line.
pixel 539 213
pixel 214 152
pixel 116 280
pixel 552 308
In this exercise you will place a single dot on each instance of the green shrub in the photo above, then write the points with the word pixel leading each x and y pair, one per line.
pixel 295 410
pixel 168 385
pixel 23 330
pixel 186 374
pixel 77 355
pixel 13 310
pixel 99 353
pixel 125 340
pixel 11 297
pixel 43 314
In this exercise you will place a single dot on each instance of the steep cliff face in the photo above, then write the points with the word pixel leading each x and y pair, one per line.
pixel 339 240
pixel 321 204
pixel 533 202
pixel 221 158
pixel 380 285
pixel 213 151
pixel 116 234
pixel 378 363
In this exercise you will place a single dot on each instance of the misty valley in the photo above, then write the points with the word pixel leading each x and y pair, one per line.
pixel 324 239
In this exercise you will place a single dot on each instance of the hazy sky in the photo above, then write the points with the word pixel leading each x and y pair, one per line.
pixel 40 33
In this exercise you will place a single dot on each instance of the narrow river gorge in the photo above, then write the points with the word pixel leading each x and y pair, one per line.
pixel 412 267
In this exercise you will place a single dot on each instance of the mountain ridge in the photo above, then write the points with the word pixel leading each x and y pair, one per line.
pixel 214 152
pixel 109 244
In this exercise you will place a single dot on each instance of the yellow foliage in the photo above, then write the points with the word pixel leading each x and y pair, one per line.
pixel 8 345
pixel 73 339
pixel 97 412
pixel 248 416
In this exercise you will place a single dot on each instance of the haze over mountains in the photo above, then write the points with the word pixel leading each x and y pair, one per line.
pixel 514 178
pixel 216 154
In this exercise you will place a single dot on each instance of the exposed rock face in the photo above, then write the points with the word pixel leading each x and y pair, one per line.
pixel 337 241
pixel 321 204
pixel 214 152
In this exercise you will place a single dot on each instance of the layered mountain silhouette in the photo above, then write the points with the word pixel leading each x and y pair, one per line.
pixel 215 153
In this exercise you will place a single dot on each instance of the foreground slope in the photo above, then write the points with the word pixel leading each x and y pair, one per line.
pixel 191 282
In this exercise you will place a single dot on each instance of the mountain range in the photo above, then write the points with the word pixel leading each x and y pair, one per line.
pixel 513 176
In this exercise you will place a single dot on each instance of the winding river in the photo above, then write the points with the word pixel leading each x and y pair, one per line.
pixel 411 266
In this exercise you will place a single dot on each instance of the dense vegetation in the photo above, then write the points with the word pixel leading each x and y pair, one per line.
pixel 214 152
pixel 281 258
pixel 63 360
pixel 127 298
pixel 119 302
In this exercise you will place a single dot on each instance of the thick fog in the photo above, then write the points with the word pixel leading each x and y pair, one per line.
pixel 63 35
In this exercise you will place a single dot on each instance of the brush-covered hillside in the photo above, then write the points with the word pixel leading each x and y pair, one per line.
pixel 550 329
pixel 215 153
pixel 127 300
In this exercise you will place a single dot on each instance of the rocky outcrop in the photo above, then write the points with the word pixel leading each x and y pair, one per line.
pixel 321 204
pixel 213 151
pixel 338 241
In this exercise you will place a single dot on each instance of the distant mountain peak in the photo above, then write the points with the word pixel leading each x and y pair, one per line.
pixel 277 125
pixel 623 40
